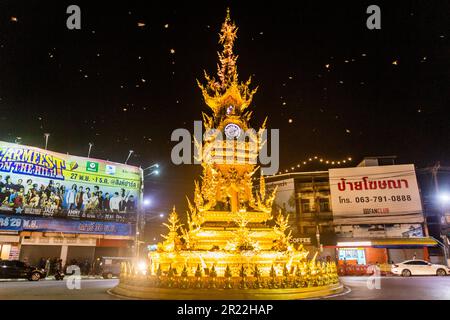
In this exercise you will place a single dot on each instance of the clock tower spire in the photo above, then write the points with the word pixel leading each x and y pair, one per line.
pixel 226 96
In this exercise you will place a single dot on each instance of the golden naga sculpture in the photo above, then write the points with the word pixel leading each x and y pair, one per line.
pixel 230 230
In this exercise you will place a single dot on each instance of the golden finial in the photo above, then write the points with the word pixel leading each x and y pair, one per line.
pixel 227 90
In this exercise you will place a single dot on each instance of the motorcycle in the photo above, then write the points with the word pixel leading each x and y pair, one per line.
pixel 59 275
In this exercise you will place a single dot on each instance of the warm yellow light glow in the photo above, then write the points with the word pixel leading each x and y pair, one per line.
pixel 142 267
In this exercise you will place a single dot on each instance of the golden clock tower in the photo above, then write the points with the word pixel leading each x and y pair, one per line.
pixel 231 239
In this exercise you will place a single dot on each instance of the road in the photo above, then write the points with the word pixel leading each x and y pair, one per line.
pixel 434 288
pixel 92 289
pixel 397 288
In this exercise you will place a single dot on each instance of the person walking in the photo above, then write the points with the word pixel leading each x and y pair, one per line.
pixel 47 267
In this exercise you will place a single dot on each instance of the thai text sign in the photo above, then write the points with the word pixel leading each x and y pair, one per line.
pixel 20 223
pixel 379 191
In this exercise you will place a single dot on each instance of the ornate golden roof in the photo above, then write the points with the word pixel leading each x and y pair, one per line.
pixel 226 90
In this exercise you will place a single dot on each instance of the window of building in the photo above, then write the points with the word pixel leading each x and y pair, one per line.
pixel 324 204
pixel 305 205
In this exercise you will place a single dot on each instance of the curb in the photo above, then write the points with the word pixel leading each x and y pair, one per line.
pixel 109 291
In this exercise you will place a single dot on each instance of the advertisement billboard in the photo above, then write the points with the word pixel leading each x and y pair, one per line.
pixel 39 182
pixel 404 230
pixel 22 223
pixel 378 194
pixel 285 197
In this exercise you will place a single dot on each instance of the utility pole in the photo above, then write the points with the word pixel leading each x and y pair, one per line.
pixel 442 219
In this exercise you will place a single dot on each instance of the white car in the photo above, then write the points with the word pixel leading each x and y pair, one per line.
pixel 419 268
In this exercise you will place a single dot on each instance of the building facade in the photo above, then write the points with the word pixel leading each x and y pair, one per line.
pixel 364 215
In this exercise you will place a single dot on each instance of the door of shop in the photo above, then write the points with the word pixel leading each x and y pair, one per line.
pixel 33 253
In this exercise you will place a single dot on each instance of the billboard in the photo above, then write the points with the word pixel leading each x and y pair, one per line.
pixel 404 230
pixel 379 194
pixel 22 223
pixel 39 182
pixel 285 197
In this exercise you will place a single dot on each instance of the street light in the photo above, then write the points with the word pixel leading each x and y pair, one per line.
pixel 129 155
pixel 90 147
pixel 152 166
pixel 46 135
pixel 444 198
pixel 444 201
pixel 153 170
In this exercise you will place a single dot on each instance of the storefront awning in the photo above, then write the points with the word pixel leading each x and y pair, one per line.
pixel 402 242
pixel 387 242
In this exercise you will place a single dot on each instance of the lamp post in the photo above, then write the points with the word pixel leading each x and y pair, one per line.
pixel 129 155
pixel 141 215
pixel 90 147
pixel 142 218
pixel 444 200
pixel 46 135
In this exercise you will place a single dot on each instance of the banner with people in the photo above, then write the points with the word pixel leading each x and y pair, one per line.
pixel 39 182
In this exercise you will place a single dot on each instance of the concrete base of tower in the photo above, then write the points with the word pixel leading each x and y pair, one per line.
pixel 141 289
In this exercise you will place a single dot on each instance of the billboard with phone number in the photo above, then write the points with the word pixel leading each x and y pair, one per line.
pixel 39 182
pixel 374 195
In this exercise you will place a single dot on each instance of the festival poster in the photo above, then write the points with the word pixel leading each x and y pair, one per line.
pixel 39 182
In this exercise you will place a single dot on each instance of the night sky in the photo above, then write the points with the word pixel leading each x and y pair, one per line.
pixel 127 79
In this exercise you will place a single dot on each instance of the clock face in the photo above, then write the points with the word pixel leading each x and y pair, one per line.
pixel 232 131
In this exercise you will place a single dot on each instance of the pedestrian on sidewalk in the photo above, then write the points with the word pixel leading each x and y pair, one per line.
pixel 47 267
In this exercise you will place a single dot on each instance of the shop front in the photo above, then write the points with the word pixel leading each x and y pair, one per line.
pixel 65 247
pixel 34 238
pixel 9 246
pixel 355 256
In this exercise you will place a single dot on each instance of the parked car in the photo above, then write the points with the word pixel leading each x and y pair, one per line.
pixel 419 268
pixel 15 269
pixel 110 266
